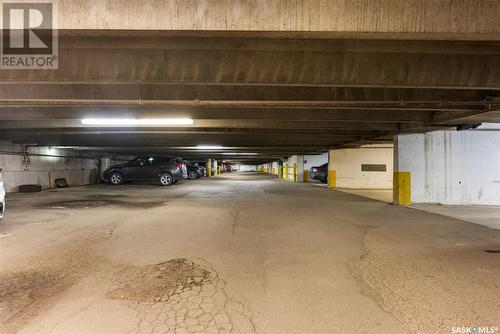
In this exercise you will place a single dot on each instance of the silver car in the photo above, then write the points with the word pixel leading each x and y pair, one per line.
pixel 2 196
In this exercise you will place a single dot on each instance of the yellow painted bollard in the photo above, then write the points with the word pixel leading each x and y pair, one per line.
pixel 332 179
pixel 209 171
pixel 274 170
pixel 294 172
pixel 286 171
pixel 402 188
pixel 306 175
pixel 280 172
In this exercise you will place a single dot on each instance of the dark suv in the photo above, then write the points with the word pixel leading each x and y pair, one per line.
pixel 165 170
pixel 319 173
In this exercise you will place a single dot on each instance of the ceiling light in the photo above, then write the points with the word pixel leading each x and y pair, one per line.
pixel 241 153
pixel 209 147
pixel 137 122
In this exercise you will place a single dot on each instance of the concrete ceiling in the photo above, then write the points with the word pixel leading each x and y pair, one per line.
pixel 259 93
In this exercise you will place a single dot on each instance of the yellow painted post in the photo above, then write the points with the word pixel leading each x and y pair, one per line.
pixel 402 188
pixel 286 171
pixel 274 170
pixel 332 178
pixel 306 175
pixel 280 172
pixel 209 171
pixel 294 172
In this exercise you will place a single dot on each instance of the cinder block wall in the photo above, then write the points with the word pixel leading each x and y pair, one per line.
pixel 43 170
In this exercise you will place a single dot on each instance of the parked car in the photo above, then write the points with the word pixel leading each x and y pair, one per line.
pixel 195 171
pixel 165 170
pixel 2 196
pixel 319 173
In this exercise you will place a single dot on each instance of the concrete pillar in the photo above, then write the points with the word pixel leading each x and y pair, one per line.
pixel 401 189
pixel 209 167
pixel 332 173
pixel 104 163
pixel 294 168
pixel 448 167
pixel 214 168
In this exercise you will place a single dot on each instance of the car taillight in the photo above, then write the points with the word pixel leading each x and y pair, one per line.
pixel 178 165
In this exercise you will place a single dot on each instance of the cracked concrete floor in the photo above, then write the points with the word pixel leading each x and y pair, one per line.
pixel 240 253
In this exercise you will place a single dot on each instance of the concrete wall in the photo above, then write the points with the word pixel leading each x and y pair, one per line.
pixel 248 168
pixel 347 164
pixel 44 170
pixel 451 167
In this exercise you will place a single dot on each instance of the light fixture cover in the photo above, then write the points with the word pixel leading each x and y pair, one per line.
pixel 137 122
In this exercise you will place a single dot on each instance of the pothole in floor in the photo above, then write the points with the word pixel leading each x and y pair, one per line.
pixel 180 296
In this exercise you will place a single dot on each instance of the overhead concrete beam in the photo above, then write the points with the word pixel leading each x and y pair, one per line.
pixel 369 69
pixel 445 18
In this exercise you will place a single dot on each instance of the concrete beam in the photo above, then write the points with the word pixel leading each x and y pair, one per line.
pixel 375 67
pixel 424 18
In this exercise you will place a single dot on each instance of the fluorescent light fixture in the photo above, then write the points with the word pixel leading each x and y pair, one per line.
pixel 137 122
pixel 241 153
pixel 209 147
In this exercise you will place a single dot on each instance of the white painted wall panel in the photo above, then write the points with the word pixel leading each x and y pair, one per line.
pixel 347 163
pixel 452 167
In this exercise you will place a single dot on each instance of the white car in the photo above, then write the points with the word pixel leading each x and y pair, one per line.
pixel 2 196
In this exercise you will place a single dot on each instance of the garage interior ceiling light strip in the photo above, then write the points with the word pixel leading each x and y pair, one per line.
pixel 137 122
pixel 209 147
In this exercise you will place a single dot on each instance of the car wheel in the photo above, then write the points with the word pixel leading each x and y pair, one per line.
pixel 193 175
pixel 166 179
pixel 116 178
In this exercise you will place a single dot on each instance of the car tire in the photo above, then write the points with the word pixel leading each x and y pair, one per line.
pixel 116 178
pixel 166 179
pixel 193 175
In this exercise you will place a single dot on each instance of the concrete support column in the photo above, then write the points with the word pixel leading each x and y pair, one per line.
pixel 448 167
pixel 104 163
pixel 294 168
pixel 332 173
pixel 209 167
pixel 401 179
pixel 214 168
